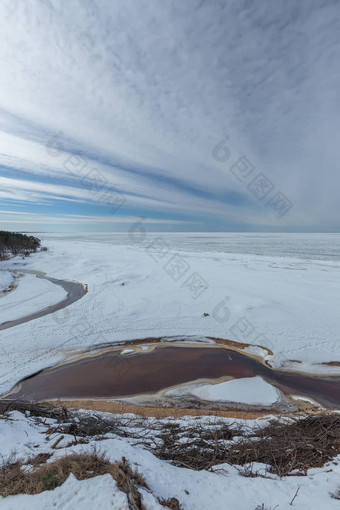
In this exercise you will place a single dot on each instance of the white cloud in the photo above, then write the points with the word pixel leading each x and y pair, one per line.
pixel 153 86
pixel 74 219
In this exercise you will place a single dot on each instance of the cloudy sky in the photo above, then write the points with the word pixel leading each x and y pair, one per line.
pixel 195 115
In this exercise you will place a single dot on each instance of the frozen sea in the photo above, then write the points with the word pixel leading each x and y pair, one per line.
pixel 277 292
pixel 302 246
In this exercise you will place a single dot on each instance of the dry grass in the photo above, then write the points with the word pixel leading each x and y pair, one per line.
pixel 285 447
pixel 171 503
pixel 36 476
pixel 262 507
pixel 336 496
pixel 118 407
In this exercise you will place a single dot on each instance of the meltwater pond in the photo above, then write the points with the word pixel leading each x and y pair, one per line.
pixel 122 373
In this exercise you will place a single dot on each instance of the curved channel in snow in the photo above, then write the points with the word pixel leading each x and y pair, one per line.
pixel 74 290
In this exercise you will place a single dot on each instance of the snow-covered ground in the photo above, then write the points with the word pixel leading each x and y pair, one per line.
pixel 147 284
pixel 31 295
pixel 6 279
pixel 222 488
pixel 277 291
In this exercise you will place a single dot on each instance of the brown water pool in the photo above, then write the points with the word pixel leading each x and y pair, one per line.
pixel 112 374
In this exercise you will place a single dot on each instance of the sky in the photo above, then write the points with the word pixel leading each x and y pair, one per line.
pixel 202 115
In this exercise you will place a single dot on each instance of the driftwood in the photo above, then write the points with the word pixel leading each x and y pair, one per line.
pixel 285 447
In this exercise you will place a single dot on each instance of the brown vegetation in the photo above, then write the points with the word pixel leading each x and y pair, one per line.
pixel 15 480
pixel 171 503
pixel 118 407
pixel 285 448
pixel 36 476
pixel 286 445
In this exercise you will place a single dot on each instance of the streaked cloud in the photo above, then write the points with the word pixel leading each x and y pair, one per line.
pixel 143 90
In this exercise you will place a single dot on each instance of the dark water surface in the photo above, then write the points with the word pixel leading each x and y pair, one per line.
pixel 114 375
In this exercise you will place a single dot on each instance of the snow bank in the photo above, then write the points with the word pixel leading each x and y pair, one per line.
pixel 195 490
pixel 6 279
pixel 99 492
pixel 31 295
pixel 249 390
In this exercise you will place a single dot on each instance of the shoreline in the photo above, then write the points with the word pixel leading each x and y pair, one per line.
pixel 118 407
pixel 154 343
pixel 283 381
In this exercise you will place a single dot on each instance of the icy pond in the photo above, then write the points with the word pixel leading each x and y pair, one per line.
pixel 123 373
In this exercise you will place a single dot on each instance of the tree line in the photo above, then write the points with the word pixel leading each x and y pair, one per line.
pixel 12 243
